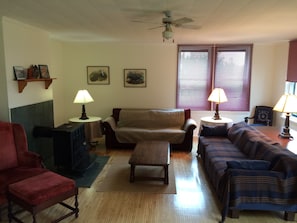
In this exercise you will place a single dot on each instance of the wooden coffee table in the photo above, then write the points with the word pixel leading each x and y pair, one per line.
pixel 151 153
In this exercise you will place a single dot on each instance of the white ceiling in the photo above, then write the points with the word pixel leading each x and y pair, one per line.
pixel 221 21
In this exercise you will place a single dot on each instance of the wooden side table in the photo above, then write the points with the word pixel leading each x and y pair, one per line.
pixel 93 128
pixel 273 133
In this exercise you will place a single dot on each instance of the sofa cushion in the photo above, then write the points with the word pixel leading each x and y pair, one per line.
pixel 134 135
pixel 236 130
pixel 215 157
pixel 269 152
pixel 249 164
pixel 151 119
pixel 213 130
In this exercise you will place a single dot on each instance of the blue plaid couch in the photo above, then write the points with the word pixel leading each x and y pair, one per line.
pixel 248 170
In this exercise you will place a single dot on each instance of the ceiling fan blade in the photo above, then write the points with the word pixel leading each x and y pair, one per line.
pixel 188 26
pixel 157 27
pixel 182 21
pixel 141 21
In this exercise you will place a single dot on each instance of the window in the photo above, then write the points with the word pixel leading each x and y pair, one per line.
pixel 201 68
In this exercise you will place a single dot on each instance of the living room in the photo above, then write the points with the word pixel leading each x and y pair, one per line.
pixel 23 44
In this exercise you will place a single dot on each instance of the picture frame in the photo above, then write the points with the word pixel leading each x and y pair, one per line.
pixel 99 75
pixel 19 73
pixel 44 72
pixel 135 78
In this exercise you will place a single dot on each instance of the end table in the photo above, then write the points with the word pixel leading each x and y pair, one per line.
pixel 93 128
pixel 212 122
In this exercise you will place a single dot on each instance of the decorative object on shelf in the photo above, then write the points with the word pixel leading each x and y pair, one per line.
pixel 98 75
pixel 83 97
pixel 19 73
pixel 44 72
pixel 134 77
pixel 217 96
pixel 286 104
pixel 33 72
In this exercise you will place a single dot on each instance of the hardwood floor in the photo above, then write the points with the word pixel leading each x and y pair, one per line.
pixel 194 201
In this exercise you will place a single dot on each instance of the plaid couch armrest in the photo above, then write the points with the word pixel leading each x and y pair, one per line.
pixel 257 187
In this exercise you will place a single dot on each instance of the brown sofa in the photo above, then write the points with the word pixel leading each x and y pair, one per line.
pixel 125 127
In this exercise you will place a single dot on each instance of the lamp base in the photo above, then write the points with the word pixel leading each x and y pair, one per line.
pixel 286 133
pixel 286 129
pixel 83 113
pixel 216 117
pixel 84 116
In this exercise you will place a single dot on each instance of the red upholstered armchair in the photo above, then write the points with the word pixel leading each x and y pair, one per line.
pixel 16 162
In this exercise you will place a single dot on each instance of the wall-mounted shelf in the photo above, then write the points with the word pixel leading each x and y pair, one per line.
pixel 23 83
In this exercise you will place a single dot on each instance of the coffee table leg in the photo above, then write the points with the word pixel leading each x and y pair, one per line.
pixel 166 181
pixel 132 171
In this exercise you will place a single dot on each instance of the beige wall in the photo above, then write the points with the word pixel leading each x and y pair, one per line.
pixel 4 112
pixel 159 61
pixel 25 45
pixel 268 76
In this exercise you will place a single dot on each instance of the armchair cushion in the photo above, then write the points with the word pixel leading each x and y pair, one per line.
pixel 13 175
pixel 39 189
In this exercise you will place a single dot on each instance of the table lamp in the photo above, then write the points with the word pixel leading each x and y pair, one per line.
pixel 286 104
pixel 218 96
pixel 83 97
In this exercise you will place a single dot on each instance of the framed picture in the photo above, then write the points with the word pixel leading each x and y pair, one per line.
pixel 134 77
pixel 98 75
pixel 43 70
pixel 19 73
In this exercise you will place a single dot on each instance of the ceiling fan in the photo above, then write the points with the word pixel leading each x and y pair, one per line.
pixel 168 22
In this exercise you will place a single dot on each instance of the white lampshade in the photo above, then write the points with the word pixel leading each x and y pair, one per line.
pixel 287 104
pixel 83 97
pixel 218 96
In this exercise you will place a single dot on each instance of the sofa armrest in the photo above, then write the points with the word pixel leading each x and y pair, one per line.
pixel 30 159
pixel 190 124
pixel 111 122
pixel 240 186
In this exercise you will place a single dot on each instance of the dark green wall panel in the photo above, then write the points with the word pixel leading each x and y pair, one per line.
pixel 30 116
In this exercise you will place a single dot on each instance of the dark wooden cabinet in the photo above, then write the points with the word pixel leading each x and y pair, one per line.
pixel 70 147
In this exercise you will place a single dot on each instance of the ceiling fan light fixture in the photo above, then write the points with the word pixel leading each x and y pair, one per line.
pixel 167 33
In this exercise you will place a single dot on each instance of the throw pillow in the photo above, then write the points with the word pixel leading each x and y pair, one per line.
pixel 213 130
pixel 249 164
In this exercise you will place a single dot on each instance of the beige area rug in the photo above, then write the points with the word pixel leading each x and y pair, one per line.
pixel 117 178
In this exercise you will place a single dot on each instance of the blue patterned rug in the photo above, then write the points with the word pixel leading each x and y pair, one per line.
pixel 87 177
